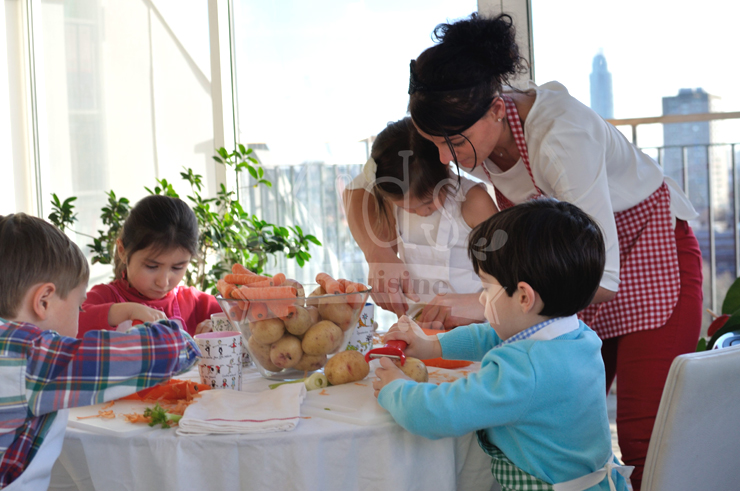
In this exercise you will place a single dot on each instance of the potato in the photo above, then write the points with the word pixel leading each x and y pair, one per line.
pixel 315 301
pixel 286 352
pixel 338 311
pixel 346 366
pixel 267 331
pixel 414 368
pixel 322 338
pixel 261 353
pixel 314 313
pixel 310 363
pixel 299 322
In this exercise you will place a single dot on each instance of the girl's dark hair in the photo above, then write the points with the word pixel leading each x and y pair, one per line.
pixel 552 245
pixel 159 221
pixel 406 163
pixel 454 82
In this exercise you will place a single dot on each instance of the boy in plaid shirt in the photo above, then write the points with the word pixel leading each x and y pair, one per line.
pixel 44 369
pixel 538 402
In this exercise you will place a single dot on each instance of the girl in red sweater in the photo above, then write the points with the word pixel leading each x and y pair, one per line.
pixel 158 240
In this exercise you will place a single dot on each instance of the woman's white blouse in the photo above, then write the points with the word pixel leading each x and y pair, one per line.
pixel 576 156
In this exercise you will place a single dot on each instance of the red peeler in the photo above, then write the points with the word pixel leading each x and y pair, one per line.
pixel 392 349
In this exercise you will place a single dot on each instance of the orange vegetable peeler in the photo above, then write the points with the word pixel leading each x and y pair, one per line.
pixel 392 349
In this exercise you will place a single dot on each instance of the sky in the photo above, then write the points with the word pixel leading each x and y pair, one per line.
pixel 312 81
pixel 653 48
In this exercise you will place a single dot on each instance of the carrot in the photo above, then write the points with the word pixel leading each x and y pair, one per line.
pixel 237 294
pixel 109 405
pixel 237 268
pixel 355 300
pixel 323 393
pixel 101 414
pixel 283 310
pixel 258 311
pixel 329 284
pixel 269 293
pixel 276 280
pixel 137 418
pixel 244 279
pixel 224 288
pixel 172 390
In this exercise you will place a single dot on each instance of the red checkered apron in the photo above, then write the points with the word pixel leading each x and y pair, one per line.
pixel 650 282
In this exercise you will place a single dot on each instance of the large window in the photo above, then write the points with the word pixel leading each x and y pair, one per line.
pixel 634 59
pixel 314 87
pixel 123 98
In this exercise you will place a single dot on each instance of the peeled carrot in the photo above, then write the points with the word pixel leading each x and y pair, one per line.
pixel 269 293
pixel 172 390
pixel 245 279
pixel 329 284
pixel 282 310
pixel 258 311
pixel 276 280
pixel 237 294
pixel 224 288
pixel 237 268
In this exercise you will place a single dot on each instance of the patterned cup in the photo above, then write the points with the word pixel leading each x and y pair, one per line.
pixel 220 364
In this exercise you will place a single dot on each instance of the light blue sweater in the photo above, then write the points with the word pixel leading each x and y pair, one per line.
pixel 542 402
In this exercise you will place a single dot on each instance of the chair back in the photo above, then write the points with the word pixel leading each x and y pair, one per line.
pixel 695 444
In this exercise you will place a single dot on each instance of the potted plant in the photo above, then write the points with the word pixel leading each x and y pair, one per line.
pixel 228 233
pixel 727 321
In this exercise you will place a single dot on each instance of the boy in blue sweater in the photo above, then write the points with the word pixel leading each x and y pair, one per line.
pixel 538 402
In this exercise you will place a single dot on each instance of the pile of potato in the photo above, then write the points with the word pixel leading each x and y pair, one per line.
pixel 303 339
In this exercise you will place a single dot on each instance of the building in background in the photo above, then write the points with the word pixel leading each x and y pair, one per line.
pixel 691 145
pixel 602 96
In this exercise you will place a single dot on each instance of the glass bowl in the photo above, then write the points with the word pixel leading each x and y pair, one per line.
pixel 289 339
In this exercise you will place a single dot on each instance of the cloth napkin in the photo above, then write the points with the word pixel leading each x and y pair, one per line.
pixel 229 411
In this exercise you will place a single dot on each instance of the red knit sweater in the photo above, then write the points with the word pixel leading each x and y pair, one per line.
pixel 195 306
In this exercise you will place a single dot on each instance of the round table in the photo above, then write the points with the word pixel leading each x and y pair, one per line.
pixel 319 454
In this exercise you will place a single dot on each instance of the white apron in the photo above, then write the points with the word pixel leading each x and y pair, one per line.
pixel 38 473
pixel 438 264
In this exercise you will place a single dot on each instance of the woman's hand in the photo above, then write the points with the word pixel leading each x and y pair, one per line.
pixel 391 282
pixel 451 310
pixel 385 374
pixel 131 311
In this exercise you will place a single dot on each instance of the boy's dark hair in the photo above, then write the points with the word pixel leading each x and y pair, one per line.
pixel 159 221
pixel 552 245
pixel 420 173
pixel 33 251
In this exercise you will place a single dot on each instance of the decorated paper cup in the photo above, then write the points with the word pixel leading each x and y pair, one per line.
pixel 362 335
pixel 220 323
pixel 220 364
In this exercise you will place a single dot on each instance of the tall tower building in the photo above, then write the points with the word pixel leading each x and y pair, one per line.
pixel 688 144
pixel 602 97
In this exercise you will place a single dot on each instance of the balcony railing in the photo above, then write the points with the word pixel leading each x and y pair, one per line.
pixel 309 195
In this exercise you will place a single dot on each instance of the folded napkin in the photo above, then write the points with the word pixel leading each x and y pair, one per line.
pixel 231 411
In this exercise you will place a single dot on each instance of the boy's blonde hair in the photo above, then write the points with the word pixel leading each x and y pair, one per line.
pixel 33 251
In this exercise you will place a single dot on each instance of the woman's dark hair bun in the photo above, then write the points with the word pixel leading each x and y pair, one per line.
pixel 489 42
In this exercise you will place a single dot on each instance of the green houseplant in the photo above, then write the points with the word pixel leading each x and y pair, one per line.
pixel 228 233
pixel 727 321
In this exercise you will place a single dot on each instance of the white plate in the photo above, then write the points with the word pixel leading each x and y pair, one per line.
pixel 116 426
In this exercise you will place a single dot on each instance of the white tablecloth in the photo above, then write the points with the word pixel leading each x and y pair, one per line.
pixel 320 454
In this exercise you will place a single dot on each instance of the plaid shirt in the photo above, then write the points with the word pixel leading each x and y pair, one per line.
pixel 42 372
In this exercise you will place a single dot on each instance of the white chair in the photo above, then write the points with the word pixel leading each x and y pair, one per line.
pixel 695 443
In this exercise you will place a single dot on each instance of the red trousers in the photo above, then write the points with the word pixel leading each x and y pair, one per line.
pixel 641 360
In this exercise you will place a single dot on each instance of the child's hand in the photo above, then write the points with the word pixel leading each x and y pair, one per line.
pixel 419 344
pixel 129 311
pixel 385 374
pixel 205 326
